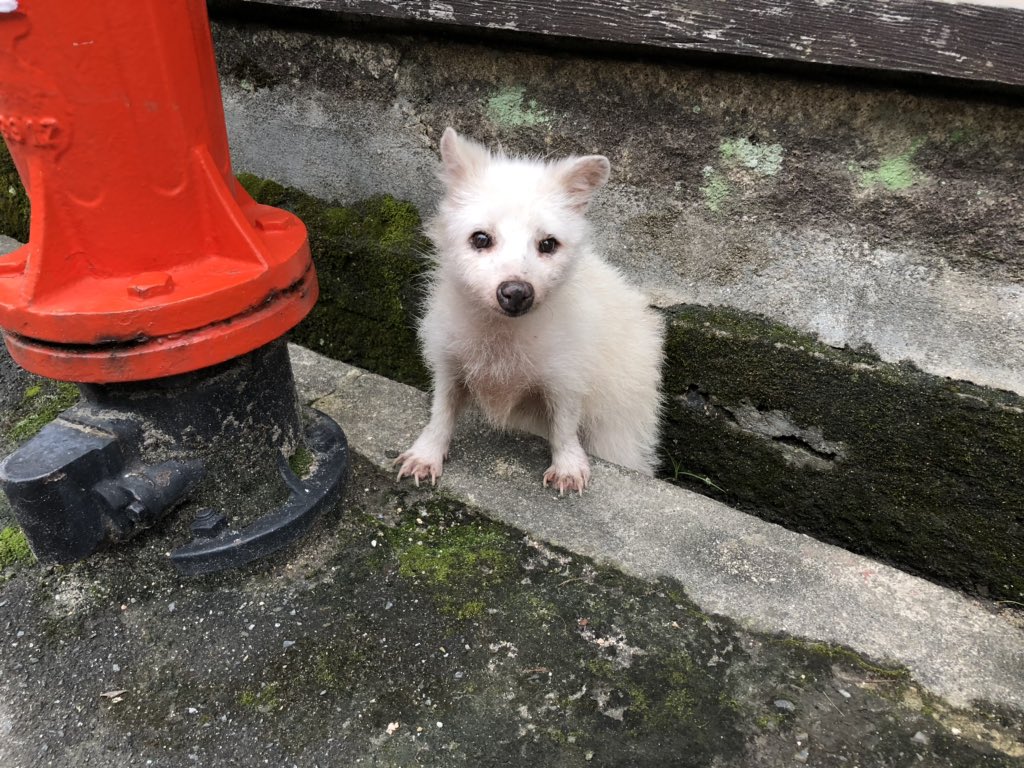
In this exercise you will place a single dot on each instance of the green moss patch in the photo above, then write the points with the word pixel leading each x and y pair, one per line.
pixel 14 203
pixel 40 405
pixel 14 547
pixel 837 654
pixel 459 558
pixel 894 173
pixel 370 265
pixel 263 700
pixel 881 459
pixel 301 461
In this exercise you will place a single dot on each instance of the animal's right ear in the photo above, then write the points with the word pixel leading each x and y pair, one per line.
pixel 461 158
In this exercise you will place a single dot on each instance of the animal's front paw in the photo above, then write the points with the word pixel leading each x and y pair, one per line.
pixel 568 473
pixel 419 465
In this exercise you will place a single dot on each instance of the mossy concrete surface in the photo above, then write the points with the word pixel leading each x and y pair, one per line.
pixel 370 259
pixel 412 631
pixel 881 459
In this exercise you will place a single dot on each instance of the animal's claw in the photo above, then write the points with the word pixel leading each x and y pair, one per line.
pixel 568 476
pixel 419 467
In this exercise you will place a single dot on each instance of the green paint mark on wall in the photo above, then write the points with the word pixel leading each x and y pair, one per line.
pixel 509 107
pixel 762 159
pixel 894 173
pixel 716 189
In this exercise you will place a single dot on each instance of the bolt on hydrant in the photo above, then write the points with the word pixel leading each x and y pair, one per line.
pixel 155 282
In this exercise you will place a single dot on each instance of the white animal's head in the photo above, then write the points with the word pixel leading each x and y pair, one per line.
pixel 508 229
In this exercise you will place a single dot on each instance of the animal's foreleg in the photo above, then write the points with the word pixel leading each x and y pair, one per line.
pixel 570 467
pixel 426 456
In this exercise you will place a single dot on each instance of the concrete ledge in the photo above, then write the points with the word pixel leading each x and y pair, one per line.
pixel 730 563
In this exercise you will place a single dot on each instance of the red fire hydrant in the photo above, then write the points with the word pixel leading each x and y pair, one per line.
pixel 146 261
pixel 146 257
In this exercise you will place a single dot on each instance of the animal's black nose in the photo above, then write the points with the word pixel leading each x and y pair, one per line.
pixel 515 297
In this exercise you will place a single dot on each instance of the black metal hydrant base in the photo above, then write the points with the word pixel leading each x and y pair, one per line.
pixel 308 498
pixel 217 439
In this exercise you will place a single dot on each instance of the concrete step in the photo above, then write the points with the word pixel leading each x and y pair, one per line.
pixel 760 574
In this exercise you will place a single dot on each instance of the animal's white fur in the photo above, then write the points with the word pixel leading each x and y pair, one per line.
pixel 582 367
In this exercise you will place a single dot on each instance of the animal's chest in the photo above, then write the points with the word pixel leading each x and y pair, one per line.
pixel 498 396
pixel 500 379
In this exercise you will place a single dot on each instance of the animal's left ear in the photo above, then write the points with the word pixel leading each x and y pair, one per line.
pixel 461 158
pixel 582 175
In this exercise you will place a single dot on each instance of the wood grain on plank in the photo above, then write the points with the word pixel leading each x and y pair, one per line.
pixel 951 39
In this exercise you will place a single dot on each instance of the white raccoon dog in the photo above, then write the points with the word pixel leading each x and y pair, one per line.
pixel 524 319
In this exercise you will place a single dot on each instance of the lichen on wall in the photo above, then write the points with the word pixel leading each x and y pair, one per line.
pixel 894 172
pixel 509 107
pixel 715 190
pixel 742 168
pixel 762 159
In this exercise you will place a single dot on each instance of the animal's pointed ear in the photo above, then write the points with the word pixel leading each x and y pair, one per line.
pixel 460 158
pixel 582 175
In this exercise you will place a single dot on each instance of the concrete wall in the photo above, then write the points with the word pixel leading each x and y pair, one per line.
pixel 868 215
pixel 840 263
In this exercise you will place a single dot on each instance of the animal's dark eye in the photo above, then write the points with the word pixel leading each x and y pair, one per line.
pixel 480 240
pixel 548 245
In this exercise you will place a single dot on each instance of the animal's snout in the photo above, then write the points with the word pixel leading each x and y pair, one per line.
pixel 515 297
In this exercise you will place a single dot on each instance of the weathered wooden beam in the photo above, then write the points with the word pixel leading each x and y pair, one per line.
pixel 969 40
